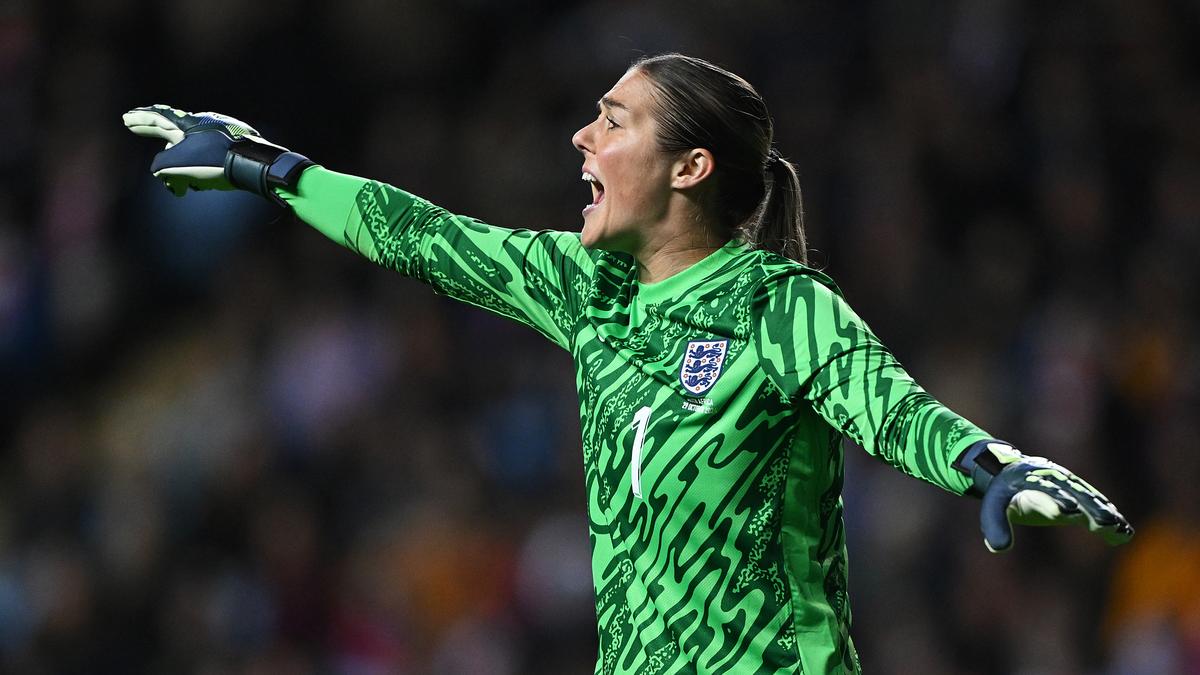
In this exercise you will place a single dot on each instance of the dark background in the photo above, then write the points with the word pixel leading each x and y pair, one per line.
pixel 229 445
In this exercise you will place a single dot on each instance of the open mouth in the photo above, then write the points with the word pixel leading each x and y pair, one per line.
pixel 597 191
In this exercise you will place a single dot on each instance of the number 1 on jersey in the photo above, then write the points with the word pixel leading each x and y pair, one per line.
pixel 640 420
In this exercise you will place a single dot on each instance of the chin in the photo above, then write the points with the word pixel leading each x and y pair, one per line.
pixel 588 237
pixel 593 237
pixel 599 242
pixel 599 237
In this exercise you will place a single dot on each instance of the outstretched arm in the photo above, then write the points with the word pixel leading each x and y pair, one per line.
pixel 820 353
pixel 537 278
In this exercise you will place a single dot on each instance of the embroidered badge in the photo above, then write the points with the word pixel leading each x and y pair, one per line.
pixel 702 361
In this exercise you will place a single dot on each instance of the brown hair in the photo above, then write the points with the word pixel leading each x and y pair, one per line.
pixel 701 105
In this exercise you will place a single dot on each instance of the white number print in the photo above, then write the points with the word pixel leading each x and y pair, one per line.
pixel 641 420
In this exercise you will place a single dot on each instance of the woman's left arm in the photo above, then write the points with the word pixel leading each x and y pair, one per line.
pixel 817 350
pixel 822 354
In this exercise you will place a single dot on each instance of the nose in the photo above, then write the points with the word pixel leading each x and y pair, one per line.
pixel 582 140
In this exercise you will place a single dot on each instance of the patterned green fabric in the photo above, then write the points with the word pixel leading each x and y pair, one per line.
pixel 738 375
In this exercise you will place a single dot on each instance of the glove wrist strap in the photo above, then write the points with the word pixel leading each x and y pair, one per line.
pixel 260 168
pixel 978 462
pixel 285 171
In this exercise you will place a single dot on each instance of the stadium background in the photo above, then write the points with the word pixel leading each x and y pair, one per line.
pixel 228 445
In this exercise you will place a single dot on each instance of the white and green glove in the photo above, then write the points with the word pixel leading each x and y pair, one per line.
pixel 208 151
pixel 1023 490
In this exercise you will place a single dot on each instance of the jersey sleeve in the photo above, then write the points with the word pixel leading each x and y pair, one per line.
pixel 535 277
pixel 820 353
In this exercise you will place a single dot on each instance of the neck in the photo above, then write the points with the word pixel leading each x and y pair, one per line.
pixel 658 262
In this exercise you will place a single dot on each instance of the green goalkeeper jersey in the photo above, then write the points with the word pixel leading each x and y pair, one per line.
pixel 712 405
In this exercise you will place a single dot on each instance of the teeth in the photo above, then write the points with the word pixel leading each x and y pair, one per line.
pixel 597 189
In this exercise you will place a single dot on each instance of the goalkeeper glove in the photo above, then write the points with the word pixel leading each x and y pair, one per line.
pixel 1034 491
pixel 207 151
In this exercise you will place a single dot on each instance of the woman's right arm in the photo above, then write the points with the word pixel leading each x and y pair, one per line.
pixel 538 278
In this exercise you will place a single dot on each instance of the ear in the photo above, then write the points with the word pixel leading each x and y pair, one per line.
pixel 692 168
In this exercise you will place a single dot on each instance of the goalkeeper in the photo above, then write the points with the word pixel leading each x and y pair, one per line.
pixel 717 372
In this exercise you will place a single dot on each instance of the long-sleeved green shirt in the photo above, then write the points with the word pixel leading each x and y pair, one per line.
pixel 713 406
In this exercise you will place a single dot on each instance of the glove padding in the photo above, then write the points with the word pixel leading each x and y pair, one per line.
pixel 210 151
pixel 1023 490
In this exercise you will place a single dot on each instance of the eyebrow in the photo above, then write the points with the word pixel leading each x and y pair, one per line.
pixel 608 102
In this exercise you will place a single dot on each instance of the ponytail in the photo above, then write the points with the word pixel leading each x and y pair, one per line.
pixel 779 223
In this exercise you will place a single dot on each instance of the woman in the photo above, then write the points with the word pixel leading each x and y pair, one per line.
pixel 717 373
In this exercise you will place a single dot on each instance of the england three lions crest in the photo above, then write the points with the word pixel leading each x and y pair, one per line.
pixel 702 361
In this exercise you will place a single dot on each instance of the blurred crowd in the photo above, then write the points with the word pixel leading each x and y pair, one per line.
pixel 228 445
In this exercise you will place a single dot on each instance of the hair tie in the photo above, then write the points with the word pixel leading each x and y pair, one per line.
pixel 773 158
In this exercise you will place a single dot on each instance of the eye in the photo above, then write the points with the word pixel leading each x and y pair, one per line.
pixel 610 123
